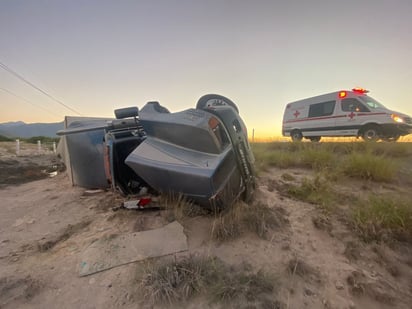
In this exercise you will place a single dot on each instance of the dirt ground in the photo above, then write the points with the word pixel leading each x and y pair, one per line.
pixel 46 223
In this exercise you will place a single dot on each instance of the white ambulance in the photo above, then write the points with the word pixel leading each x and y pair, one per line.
pixel 344 113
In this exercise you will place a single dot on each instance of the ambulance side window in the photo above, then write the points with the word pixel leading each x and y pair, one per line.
pixel 353 105
pixel 321 109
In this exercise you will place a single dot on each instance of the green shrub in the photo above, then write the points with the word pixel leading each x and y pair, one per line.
pixel 42 139
pixel 369 166
pixel 317 159
pixel 5 139
pixel 266 156
pixel 297 157
pixel 381 217
pixel 315 191
pixel 370 161
pixel 282 159
pixel 398 150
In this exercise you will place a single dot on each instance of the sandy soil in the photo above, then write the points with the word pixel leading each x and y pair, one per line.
pixel 45 224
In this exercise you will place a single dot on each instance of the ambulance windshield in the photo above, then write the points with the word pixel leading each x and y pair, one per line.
pixel 371 102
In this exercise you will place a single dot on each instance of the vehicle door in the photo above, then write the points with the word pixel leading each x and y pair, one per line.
pixel 351 116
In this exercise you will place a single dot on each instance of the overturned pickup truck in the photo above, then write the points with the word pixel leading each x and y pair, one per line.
pixel 202 153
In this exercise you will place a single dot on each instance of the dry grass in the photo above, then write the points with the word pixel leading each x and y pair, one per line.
pixel 257 218
pixel 243 285
pixel 176 280
pixel 378 290
pixel 178 207
pixel 179 280
pixel 287 177
pixel 299 267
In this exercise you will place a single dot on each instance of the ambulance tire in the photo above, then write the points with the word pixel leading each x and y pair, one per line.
pixel 296 135
pixel 371 133
pixel 314 139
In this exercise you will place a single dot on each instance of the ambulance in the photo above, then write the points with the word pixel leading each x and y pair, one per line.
pixel 343 113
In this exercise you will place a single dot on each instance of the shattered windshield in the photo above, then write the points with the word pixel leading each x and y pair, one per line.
pixel 371 102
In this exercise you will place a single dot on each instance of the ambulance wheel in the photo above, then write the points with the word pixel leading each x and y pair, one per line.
pixel 210 100
pixel 296 136
pixel 371 133
pixel 314 138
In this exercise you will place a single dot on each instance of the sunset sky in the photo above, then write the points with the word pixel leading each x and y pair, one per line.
pixel 96 56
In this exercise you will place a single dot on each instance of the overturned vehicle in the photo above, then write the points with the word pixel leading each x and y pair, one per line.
pixel 202 153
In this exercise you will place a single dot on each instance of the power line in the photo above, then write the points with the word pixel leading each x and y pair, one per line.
pixel 27 101
pixel 5 67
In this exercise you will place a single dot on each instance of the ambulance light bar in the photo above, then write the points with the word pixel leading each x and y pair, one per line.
pixel 360 90
pixel 343 94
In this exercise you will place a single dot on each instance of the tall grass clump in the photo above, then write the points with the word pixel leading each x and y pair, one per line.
pixel 296 147
pixel 337 148
pixel 181 279
pixel 382 217
pixel 397 150
pixel 315 191
pixel 266 155
pixel 317 159
pixel 281 159
pixel 371 167
pixel 293 155
pixel 176 280
pixel 243 285
pixel 257 218
pixel 178 207
pixel 394 150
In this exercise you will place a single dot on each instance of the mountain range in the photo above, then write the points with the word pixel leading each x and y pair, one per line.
pixel 27 130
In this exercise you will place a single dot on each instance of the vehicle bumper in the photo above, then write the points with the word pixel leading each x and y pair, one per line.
pixel 396 129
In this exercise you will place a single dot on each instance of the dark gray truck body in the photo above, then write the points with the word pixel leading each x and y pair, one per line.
pixel 202 153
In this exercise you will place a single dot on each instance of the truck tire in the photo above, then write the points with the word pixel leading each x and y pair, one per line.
pixel 296 135
pixel 202 103
pixel 371 133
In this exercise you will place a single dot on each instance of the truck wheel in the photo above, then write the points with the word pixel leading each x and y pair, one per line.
pixel 210 100
pixel 371 133
pixel 296 135
pixel 314 138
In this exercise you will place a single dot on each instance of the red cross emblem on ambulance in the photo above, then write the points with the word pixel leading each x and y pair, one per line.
pixel 296 114
pixel 351 115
